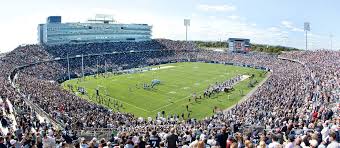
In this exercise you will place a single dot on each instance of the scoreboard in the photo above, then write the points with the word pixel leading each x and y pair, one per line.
pixel 239 45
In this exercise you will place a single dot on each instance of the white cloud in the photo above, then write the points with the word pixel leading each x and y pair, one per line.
pixel 224 8
pixel 315 40
pixel 220 28
pixel 273 29
pixel 213 27
pixel 15 34
pixel 234 17
pixel 297 29
pixel 289 25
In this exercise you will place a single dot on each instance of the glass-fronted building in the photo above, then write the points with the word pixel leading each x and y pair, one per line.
pixel 55 32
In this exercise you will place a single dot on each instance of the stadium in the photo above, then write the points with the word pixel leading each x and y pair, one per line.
pixel 134 90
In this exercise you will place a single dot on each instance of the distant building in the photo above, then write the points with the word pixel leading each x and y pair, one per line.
pixel 239 45
pixel 96 30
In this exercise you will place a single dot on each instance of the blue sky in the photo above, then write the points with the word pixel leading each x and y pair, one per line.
pixel 275 22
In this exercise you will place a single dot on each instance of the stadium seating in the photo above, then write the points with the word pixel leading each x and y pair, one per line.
pixel 298 102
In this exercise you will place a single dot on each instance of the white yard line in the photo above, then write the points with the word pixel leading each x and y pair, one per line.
pixel 170 103
pixel 163 67
pixel 244 77
pixel 130 104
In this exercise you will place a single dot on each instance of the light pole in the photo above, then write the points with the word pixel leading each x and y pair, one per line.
pixel 306 28
pixel 186 24
pixel 97 66
pixel 82 66
pixel 68 68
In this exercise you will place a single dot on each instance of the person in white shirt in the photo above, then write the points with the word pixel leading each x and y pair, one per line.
pixel 325 131
pixel 202 137
pixel 313 143
pixel 274 142
pixel 187 137
pixel 333 143
pixel 211 141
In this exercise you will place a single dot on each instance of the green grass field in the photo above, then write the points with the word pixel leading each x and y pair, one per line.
pixel 178 82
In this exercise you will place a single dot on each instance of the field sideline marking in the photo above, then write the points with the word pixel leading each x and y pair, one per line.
pixel 249 94
pixel 121 100
pixel 129 104
pixel 171 103
pixel 244 77
pixel 162 67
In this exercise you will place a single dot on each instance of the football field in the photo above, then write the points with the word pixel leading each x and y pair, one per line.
pixel 178 83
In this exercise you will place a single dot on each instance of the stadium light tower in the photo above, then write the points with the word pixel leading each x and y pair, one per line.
pixel 306 28
pixel 186 24
pixel 82 66
pixel 68 68
pixel 97 66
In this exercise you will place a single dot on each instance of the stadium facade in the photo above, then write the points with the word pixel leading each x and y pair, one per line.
pixel 94 31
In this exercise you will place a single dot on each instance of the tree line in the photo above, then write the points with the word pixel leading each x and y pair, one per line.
pixel 254 47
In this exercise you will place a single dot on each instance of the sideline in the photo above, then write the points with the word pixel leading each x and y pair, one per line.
pixel 162 67
pixel 244 98
pixel 127 103
pixel 244 77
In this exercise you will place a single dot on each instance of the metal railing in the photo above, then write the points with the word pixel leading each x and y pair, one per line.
pixel 36 108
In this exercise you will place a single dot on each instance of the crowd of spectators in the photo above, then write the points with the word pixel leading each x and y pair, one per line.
pixel 298 105
pixel 95 48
